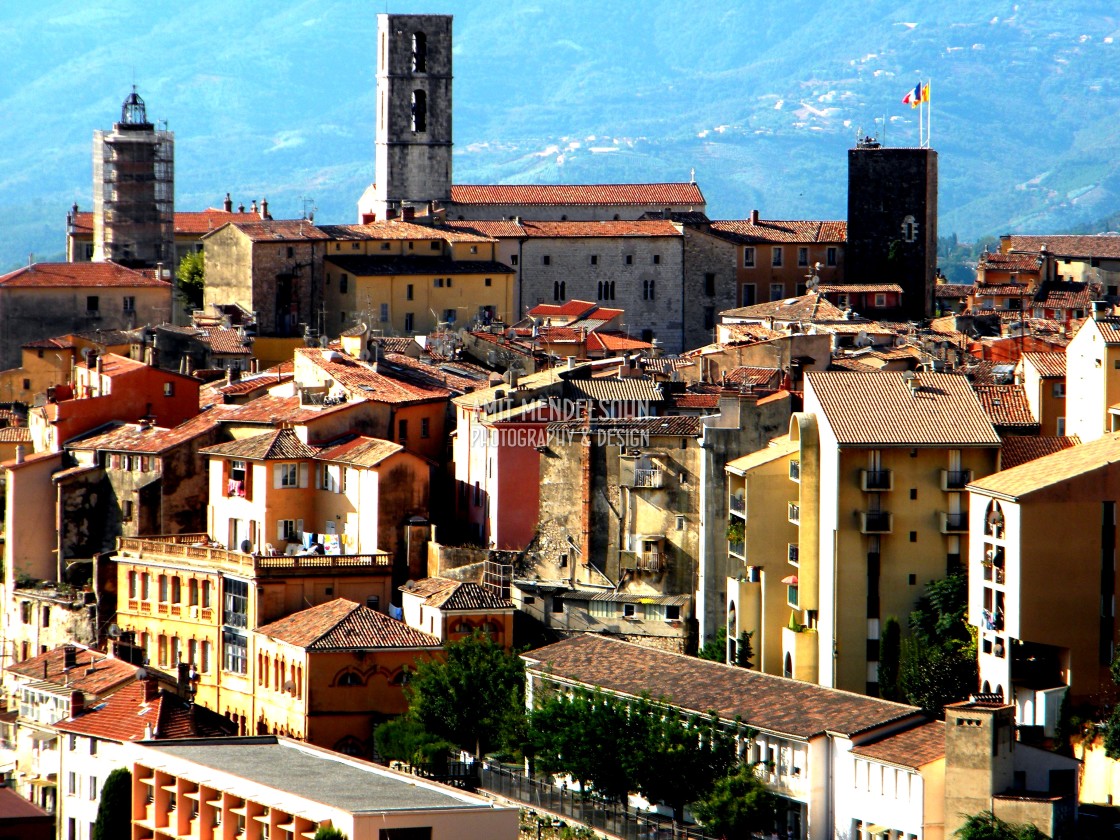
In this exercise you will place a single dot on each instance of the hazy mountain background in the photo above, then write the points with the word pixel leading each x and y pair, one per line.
pixel 762 99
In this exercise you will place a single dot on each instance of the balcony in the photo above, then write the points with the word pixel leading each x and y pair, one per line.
pixel 737 549
pixel 954 480
pixel 795 471
pixel 876 481
pixel 794 513
pixel 647 561
pixel 792 553
pixel 875 522
pixel 954 523
pixel 738 505
pixel 647 478
pixel 994 574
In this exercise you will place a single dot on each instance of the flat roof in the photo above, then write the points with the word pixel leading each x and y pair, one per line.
pixel 331 779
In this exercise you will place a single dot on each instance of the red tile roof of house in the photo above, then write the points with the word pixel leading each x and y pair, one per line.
pixel 125 716
pixel 572 308
pixel 14 810
pixel 81 275
pixel 762 701
pixel 1061 466
pixel 953 290
pixel 95 673
pixel 859 288
pixel 1019 449
pixel 15 434
pixel 280 445
pixel 149 440
pixel 1048 365
pixel 912 748
pixel 345 625
pixel 566 230
pixel 399 230
pixel 1055 294
pixel 1105 245
pixel 187 222
pixel 271 410
pixel 999 261
pixel 451 595
pixel 395 379
pixel 361 451
pixel 765 231
pixel 273 230
pixel 868 409
pixel 493 229
pixel 657 195
pixel 1001 289
pixel 1007 406
pixel 810 307
pixel 756 376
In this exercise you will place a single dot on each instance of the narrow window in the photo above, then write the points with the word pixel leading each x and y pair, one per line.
pixel 802 256
pixel 710 284
pixel 776 258
pixel 419 52
pixel 419 111
pixel 748 257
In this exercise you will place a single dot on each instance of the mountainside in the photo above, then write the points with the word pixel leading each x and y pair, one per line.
pixel 761 99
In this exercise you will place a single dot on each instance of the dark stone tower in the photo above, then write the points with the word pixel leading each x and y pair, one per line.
pixel 413 145
pixel 892 222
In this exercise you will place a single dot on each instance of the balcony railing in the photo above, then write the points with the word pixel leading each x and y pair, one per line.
pixel 954 523
pixel 737 548
pixel 994 573
pixel 952 480
pixel 647 561
pixel 738 504
pixel 198 549
pixel 876 481
pixel 792 553
pixel 791 596
pixel 875 522
pixel 647 478
pixel 795 513
pixel 795 470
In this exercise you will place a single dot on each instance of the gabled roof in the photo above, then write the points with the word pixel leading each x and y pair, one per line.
pixel 280 445
pixel 1049 470
pixel 1019 449
pixel 360 452
pixel 565 230
pixel 859 288
pixel 125 716
pixel 345 625
pixel 1007 406
pixel 867 409
pixel 765 231
pixel 999 261
pixel 277 230
pixel 95 673
pixel 656 196
pixel 1049 365
pixel 953 290
pixel 398 229
pixel 187 222
pixel 912 748
pixel 394 379
pixel 762 701
pixel 1103 245
pixel 810 307
pixel 493 229
pixel 79 274
pixel 151 440
pixel 450 595
pixel 372 265
pixel 1063 294
pixel 571 308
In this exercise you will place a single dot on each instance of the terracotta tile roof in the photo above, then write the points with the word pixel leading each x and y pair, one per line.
pixel 810 307
pixel 1109 328
pixel 1007 406
pixel 865 409
pixel 658 196
pixel 106 674
pixel 999 261
pixel 187 222
pixel 630 390
pixel 274 230
pixel 1105 245
pixel 149 440
pixel 17 811
pixel 1001 290
pixel 760 377
pixel 451 595
pixel 361 451
pixel 492 229
pixel 765 231
pixel 847 363
pixel 654 426
pixel 280 445
pixel 747 334
pixel 125 716
pixel 395 379
pixel 400 230
pixel 15 434
pixel 614 342
pixel 762 701
pixel 1048 365
pixel 61 343
pixel 953 290
pixel 395 344
pixel 345 625
pixel 1063 295
pixel 567 230
pixel 858 288
pixel 79 274
pixel 571 308
pixel 913 748
pixel 1049 470
pixel 1019 449
pixel 224 341
pixel 370 265
pixel 693 400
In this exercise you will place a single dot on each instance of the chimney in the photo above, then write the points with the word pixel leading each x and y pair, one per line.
pixel 241 207
pixel 754 217
pixel 69 657
pixel 21 453
pixel 151 687
pixel 409 213
pixel 227 205
pixel 253 206
pixel 264 209
pixel 77 703
pixel 390 214
pixel 1100 309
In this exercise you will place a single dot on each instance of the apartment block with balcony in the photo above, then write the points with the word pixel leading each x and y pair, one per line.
pixel 269 788
pixel 881 509
pixel 1045 522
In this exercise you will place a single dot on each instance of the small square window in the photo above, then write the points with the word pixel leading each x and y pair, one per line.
pixel 629 259
pixel 657 259
pixel 594 259
pixel 546 260
pixel 913 493
pixel 513 259
pixel 488 282
pixel 913 536
pixel 913 579
pixel 672 612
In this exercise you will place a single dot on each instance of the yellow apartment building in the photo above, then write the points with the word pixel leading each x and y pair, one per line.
pixel 1044 380
pixel 873 508
pixel 1093 377
pixel 403 278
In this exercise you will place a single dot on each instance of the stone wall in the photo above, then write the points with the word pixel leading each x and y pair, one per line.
pixel 709 266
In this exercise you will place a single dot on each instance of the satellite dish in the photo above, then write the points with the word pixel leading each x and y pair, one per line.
pixel 86 351
pixel 246 547
pixel 141 674
pixel 114 631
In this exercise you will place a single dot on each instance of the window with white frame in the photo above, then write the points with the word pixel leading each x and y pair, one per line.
pixel 287 475
pixel 289 529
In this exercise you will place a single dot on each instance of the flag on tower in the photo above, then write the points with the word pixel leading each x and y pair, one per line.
pixel 913 98
pixel 925 93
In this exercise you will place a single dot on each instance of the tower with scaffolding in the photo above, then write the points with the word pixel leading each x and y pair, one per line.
pixel 134 190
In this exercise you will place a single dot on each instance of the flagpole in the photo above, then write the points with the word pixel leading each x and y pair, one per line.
pixel 920 132
pixel 929 111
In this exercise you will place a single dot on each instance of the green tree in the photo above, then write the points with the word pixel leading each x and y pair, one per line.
pixel 114 811
pixel 587 735
pixel 191 275
pixel 938 661
pixel 715 649
pixel 739 805
pixel 987 826
pixel 472 698
pixel 678 760
pixel 329 832
pixel 403 739
pixel 890 652
pixel 744 650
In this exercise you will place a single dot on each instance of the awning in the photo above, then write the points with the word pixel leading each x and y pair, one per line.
pixel 790 581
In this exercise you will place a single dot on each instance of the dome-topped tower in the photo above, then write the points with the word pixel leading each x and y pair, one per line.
pixel 133 111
